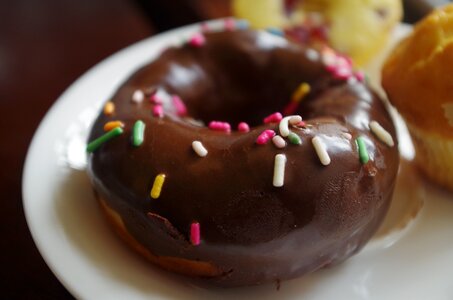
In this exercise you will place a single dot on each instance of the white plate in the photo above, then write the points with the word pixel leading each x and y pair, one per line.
pixel 76 243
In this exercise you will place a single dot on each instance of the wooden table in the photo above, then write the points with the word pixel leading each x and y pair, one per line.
pixel 44 46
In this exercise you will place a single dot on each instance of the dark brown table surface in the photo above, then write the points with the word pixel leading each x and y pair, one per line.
pixel 44 46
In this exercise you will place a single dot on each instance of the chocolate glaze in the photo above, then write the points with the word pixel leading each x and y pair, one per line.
pixel 251 230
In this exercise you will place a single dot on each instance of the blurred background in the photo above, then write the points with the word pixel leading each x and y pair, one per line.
pixel 44 46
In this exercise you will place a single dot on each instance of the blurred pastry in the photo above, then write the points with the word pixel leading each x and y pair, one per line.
pixel 418 80
pixel 358 28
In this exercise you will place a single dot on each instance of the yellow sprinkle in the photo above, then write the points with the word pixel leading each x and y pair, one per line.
pixel 157 186
pixel 302 90
pixel 113 124
pixel 109 108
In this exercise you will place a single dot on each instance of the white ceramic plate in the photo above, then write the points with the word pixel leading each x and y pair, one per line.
pixel 82 251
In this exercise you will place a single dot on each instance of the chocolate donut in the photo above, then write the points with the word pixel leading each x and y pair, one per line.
pixel 265 202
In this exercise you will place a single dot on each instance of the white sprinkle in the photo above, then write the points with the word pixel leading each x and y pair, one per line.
pixel 312 54
pixel 138 96
pixel 321 150
pixel 328 59
pixel 352 80
pixel 279 170
pixel 163 96
pixel 381 133
pixel 199 149
pixel 283 126
pixel 346 135
pixel 279 142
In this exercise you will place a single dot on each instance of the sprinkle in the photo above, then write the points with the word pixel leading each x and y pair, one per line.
pixel 360 76
pixel 346 135
pixel 243 127
pixel 352 80
pixel 157 186
pixel 155 99
pixel 138 133
pixel 301 124
pixel 363 153
pixel 199 149
pixel 113 124
pixel 229 24
pixel 279 170
pixel 279 142
pixel 219 126
pixel 109 108
pixel 181 109
pixel 294 139
pixel 138 96
pixel 242 24
pixel 328 56
pixel 341 73
pixel 195 233
pixel 94 145
pixel 312 54
pixel 283 126
pixel 197 40
pixel 290 108
pixel 275 31
pixel 204 27
pixel 302 90
pixel 273 118
pixel 158 111
pixel 265 137
pixel 321 151
pixel 381 133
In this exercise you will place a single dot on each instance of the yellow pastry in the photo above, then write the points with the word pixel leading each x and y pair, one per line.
pixel 358 28
pixel 419 82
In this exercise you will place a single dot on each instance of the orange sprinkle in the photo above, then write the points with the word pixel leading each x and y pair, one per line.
pixel 109 108
pixel 113 124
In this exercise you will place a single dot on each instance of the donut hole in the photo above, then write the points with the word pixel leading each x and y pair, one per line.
pixel 235 82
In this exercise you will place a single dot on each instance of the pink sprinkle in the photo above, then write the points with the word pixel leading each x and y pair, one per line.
pixel 195 233
pixel 154 98
pixel 341 73
pixel 291 108
pixel 360 76
pixel 274 118
pixel 181 109
pixel 347 60
pixel 243 127
pixel 265 137
pixel 197 40
pixel 230 24
pixel 220 126
pixel 301 124
pixel 270 133
pixel 158 111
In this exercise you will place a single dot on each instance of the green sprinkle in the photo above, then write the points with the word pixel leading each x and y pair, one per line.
pixel 294 139
pixel 363 152
pixel 94 145
pixel 138 133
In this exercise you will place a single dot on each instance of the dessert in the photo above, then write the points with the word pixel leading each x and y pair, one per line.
pixel 358 28
pixel 202 175
pixel 419 84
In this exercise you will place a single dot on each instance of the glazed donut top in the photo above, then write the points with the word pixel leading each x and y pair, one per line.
pixel 242 187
